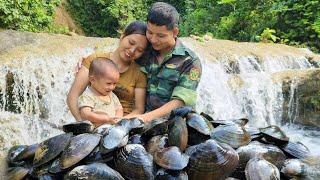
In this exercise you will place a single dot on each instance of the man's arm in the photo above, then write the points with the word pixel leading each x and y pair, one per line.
pixel 162 111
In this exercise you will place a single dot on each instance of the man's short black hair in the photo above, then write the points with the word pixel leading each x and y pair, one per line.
pixel 163 14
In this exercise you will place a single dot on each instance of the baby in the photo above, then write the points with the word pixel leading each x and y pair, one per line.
pixel 98 103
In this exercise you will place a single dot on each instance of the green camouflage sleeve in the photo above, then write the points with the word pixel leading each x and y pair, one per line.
pixel 188 83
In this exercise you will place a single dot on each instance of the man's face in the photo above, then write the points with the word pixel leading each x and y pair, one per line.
pixel 161 38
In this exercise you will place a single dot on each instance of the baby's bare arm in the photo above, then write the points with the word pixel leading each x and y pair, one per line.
pixel 96 117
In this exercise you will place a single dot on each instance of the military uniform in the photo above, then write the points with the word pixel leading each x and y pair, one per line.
pixel 177 77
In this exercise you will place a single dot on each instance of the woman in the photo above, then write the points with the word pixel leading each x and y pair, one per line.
pixel 131 87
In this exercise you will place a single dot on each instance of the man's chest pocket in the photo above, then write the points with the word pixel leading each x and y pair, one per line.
pixel 168 79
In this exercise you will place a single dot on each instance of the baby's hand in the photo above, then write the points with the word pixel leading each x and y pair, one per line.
pixel 114 120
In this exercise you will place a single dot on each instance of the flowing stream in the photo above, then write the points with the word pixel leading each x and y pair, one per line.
pixel 36 109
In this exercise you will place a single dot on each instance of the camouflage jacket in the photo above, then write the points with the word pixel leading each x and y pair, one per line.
pixel 177 77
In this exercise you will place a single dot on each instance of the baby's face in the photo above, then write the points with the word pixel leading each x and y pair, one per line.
pixel 105 84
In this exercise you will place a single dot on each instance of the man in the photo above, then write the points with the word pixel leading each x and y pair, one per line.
pixel 173 71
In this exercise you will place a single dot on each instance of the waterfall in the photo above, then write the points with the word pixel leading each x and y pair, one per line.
pixel 250 92
pixel 34 108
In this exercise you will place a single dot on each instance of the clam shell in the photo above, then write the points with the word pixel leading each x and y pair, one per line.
pixel 28 153
pixel 199 123
pixel 232 134
pixel 181 111
pixel 50 149
pixel 157 143
pixel 80 146
pixel 163 174
pixel 95 171
pixel 14 153
pixel 269 152
pixel 212 160
pixel 296 150
pixel 79 127
pixel 133 162
pixel 259 168
pixel 178 133
pixel 171 158
pixel 116 137
pixel 273 134
pixel 293 168
pixel 155 127
pixel 17 173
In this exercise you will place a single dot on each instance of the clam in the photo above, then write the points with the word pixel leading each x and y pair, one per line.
pixel 118 135
pixel 95 171
pixel 50 149
pixel 133 162
pixel 17 173
pixel 274 135
pixel 259 168
pixel 178 133
pixel 78 127
pixel 293 168
pixel 181 111
pixel 13 154
pixel 163 174
pixel 199 123
pixel 296 150
pixel 231 134
pixel 80 146
pixel 157 143
pixel 103 129
pixel 171 158
pixel 215 123
pixel 97 156
pixel 212 160
pixel 28 153
pixel 155 127
pixel 136 139
pixel 269 152
pixel 199 128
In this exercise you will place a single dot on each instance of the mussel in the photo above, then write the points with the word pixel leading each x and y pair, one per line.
pixel 163 174
pixel 199 128
pixel 80 146
pixel 51 148
pixel 231 134
pixel 133 162
pixel 274 135
pixel 157 143
pixel 94 171
pixel 17 173
pixel 212 160
pixel 78 127
pixel 296 150
pixel 178 133
pixel 171 158
pixel 260 169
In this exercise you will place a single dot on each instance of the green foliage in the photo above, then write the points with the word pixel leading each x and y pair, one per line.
pixel 267 36
pixel 28 15
pixel 295 22
pixel 106 17
pixel 126 11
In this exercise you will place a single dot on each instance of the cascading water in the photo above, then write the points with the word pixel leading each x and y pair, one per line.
pixel 251 92
pixel 36 108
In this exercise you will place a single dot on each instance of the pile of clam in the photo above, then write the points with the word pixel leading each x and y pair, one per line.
pixel 186 145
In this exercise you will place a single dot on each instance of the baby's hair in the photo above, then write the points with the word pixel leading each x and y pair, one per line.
pixel 101 65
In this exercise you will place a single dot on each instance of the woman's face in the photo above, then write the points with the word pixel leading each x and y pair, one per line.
pixel 131 47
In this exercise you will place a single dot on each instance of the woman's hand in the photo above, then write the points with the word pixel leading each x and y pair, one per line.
pixel 78 66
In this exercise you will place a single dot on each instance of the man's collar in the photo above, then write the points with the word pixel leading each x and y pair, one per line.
pixel 179 49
